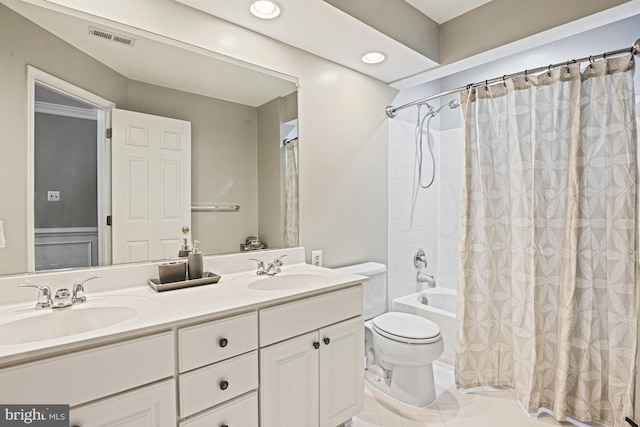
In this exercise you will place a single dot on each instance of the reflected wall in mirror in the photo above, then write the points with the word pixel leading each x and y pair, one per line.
pixel 240 115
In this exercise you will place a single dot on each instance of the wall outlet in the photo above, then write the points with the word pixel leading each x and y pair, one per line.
pixel 316 258
pixel 53 196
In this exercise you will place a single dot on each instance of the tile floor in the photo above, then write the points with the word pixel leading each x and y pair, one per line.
pixel 453 408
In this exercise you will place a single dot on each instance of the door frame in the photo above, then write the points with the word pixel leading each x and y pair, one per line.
pixel 103 107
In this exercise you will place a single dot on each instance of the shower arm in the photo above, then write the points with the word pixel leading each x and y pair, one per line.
pixel 635 49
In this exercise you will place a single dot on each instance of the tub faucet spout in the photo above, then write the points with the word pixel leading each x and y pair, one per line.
pixel 426 278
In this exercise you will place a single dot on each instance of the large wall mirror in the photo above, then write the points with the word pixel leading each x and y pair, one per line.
pixel 242 122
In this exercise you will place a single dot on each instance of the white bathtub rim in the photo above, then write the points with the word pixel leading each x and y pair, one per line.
pixel 412 300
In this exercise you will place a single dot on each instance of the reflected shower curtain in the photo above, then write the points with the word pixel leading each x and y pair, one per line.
pixel 548 298
pixel 291 202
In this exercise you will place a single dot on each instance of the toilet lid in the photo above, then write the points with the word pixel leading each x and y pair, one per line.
pixel 406 327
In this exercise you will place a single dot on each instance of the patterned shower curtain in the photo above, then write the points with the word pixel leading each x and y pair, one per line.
pixel 291 203
pixel 548 298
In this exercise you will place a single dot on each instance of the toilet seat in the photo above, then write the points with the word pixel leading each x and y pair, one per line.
pixel 406 328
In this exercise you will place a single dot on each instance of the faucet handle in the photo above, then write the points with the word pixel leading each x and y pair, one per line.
pixel 44 297
pixel 260 265
pixel 278 261
pixel 78 290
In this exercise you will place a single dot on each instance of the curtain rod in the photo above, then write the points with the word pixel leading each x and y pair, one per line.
pixel 393 111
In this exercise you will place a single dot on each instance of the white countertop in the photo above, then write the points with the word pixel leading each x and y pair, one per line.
pixel 157 311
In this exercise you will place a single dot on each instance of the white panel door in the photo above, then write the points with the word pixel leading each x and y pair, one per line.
pixel 289 383
pixel 151 185
pixel 341 372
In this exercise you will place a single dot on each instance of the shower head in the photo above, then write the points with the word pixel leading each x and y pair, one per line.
pixel 453 104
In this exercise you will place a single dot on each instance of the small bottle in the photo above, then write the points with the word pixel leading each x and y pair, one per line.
pixel 184 250
pixel 194 262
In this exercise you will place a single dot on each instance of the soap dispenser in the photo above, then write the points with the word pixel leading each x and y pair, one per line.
pixel 194 262
pixel 184 250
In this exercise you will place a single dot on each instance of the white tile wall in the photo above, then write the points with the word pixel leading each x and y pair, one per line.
pixel 423 218
pixel 413 213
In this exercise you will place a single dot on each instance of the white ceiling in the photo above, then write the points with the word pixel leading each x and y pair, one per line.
pixel 320 28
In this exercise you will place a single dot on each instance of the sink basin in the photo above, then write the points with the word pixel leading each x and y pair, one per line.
pixel 284 280
pixel 32 325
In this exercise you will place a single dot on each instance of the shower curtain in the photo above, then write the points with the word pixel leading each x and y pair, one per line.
pixel 291 203
pixel 548 299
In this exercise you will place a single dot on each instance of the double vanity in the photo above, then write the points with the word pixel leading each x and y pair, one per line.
pixel 251 350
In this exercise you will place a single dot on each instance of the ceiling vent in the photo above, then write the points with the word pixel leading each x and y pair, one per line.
pixel 110 35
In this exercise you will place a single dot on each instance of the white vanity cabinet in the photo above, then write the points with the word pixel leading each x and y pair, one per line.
pixel 103 376
pixel 311 369
pixel 218 365
pixel 150 406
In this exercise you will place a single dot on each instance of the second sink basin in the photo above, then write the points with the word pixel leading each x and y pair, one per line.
pixel 284 280
pixel 33 325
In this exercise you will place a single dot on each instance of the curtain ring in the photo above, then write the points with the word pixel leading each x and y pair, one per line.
pixel 504 78
pixel 568 70
pixel 526 78
pixel 549 70
pixel 590 62
pixel 486 85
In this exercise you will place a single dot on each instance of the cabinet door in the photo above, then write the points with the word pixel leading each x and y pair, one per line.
pixel 289 383
pixel 341 372
pixel 151 406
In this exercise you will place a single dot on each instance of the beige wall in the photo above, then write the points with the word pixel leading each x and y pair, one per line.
pixel 500 22
pixel 270 224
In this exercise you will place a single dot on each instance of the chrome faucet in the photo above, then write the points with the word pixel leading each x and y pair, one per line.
pixel 78 290
pixel 275 267
pixel 270 269
pixel 44 297
pixel 62 298
pixel 426 278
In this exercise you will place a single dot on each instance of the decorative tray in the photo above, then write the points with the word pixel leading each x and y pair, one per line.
pixel 207 279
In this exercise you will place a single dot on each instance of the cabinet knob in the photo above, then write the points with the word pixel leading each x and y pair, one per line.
pixel 326 341
pixel 224 385
pixel 316 345
pixel 223 342
pixel 223 425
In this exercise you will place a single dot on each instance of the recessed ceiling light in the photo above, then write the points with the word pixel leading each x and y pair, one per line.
pixel 373 57
pixel 265 9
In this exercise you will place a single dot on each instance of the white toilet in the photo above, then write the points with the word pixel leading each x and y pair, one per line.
pixel 399 347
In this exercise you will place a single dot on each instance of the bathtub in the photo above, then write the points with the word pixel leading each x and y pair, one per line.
pixel 439 306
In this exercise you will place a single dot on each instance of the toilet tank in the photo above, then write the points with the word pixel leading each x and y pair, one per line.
pixel 374 289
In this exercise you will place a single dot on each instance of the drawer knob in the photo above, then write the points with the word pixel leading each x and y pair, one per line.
pixel 223 425
pixel 223 342
pixel 326 341
pixel 316 345
pixel 224 385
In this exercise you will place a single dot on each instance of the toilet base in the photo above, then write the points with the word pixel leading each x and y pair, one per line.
pixel 412 385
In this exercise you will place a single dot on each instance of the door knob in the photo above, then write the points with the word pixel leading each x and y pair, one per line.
pixel 186 229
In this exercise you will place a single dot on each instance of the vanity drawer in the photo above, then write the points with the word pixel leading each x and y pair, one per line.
pixel 90 374
pixel 214 384
pixel 242 412
pixel 211 342
pixel 311 313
